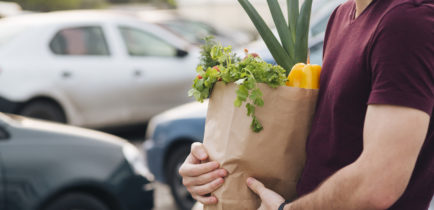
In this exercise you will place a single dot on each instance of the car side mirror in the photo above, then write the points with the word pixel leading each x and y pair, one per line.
pixel 3 134
pixel 181 53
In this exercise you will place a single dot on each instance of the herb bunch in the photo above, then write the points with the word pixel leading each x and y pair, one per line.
pixel 218 63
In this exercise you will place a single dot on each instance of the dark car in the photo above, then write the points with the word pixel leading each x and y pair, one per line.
pixel 48 166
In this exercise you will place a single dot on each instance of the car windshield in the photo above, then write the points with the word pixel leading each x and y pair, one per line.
pixel 10 30
pixel 192 31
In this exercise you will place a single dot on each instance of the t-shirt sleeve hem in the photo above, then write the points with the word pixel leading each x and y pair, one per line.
pixel 402 99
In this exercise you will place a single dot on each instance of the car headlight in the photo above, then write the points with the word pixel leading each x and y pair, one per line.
pixel 137 161
pixel 151 128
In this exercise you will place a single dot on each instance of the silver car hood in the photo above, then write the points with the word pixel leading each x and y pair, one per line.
pixel 60 129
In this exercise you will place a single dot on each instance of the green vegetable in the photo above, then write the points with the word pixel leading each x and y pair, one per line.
pixel 211 54
pixel 245 73
pixel 293 35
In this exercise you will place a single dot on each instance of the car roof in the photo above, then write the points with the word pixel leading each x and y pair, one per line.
pixel 82 16
pixel 42 20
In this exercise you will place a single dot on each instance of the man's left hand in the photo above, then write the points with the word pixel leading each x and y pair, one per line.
pixel 270 200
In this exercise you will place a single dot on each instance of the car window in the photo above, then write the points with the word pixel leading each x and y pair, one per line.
pixel 316 53
pixel 186 33
pixel 89 40
pixel 141 43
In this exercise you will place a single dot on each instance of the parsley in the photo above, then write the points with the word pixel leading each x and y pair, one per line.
pixel 218 63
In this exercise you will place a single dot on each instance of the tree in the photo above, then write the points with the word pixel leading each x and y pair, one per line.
pixel 50 5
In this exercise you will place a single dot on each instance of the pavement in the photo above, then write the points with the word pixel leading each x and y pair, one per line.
pixel 163 198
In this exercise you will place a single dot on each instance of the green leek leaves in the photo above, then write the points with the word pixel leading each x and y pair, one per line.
pixel 293 47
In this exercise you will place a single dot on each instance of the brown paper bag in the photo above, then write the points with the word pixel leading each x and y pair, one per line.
pixel 274 156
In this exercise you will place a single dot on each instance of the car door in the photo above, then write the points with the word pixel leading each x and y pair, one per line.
pixel 3 137
pixel 163 73
pixel 90 74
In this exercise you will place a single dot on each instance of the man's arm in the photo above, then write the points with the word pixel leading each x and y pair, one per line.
pixel 393 137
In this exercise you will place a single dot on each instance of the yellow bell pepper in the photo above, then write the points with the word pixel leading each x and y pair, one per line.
pixel 296 76
pixel 304 76
pixel 312 74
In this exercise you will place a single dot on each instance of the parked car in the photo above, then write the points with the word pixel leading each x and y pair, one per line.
pixel 48 166
pixel 195 31
pixel 9 9
pixel 169 136
pixel 92 69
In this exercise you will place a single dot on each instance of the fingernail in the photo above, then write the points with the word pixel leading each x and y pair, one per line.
pixel 250 180
pixel 221 181
pixel 222 172
pixel 202 155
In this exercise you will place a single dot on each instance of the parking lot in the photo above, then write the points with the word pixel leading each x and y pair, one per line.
pixel 108 64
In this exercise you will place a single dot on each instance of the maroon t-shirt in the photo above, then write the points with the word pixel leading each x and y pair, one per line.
pixel 384 56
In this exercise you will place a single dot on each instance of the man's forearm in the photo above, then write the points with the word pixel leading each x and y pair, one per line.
pixel 343 190
pixel 393 137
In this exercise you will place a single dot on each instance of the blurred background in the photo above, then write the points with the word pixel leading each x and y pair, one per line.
pixel 103 88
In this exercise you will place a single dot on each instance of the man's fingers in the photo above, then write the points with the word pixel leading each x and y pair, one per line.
pixel 204 178
pixel 191 159
pixel 198 151
pixel 209 200
pixel 207 188
pixel 256 186
pixel 193 170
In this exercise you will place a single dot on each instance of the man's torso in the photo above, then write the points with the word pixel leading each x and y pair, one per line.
pixel 336 139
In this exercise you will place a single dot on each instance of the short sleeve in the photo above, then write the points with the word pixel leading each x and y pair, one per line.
pixel 402 56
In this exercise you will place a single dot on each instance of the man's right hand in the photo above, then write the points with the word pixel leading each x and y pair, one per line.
pixel 200 176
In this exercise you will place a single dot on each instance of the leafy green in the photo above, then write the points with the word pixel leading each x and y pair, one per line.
pixel 292 16
pixel 302 33
pixel 245 73
pixel 212 54
pixel 282 28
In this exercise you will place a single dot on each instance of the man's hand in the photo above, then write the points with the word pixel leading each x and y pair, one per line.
pixel 200 176
pixel 270 200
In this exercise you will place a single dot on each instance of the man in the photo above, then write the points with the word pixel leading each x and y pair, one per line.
pixel 371 144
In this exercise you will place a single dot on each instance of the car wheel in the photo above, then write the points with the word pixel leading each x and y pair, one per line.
pixel 76 201
pixel 182 197
pixel 44 110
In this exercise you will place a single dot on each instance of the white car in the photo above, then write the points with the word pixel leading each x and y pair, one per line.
pixel 9 9
pixel 92 68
